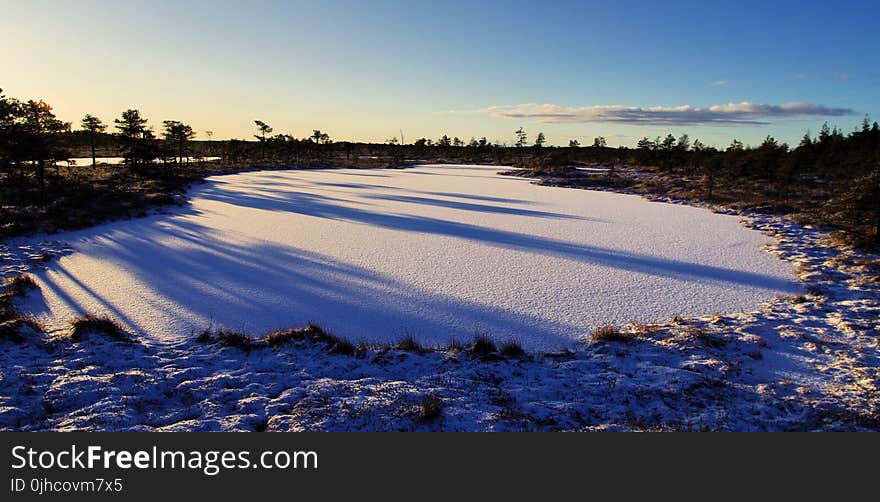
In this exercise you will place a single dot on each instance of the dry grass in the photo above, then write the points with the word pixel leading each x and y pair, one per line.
pixel 98 325
pixel 13 287
pixel 17 285
pixel 430 408
pixel 281 337
pixel 455 346
pixel 609 333
pixel 708 339
pixel 11 329
pixel 311 333
pixel 340 346
pixel 798 299
pixel 815 291
pixel 410 344
pixel 483 346
pixel 11 322
pixel 228 338
pixel 512 350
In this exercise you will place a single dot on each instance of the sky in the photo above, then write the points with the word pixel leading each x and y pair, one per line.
pixel 365 70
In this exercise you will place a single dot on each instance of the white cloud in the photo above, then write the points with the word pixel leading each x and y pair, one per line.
pixel 801 76
pixel 719 83
pixel 743 113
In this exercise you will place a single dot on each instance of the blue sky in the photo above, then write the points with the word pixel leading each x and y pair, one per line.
pixel 364 70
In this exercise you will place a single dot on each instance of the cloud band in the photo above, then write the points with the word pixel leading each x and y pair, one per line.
pixel 744 113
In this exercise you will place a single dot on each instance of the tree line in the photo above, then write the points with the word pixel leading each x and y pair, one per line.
pixel 843 167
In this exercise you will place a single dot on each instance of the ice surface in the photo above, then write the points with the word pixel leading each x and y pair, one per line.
pixel 437 252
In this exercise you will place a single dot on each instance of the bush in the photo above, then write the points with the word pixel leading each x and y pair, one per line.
pixel 857 209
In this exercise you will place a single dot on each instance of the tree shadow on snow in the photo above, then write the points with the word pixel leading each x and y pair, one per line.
pixel 259 288
pixel 322 206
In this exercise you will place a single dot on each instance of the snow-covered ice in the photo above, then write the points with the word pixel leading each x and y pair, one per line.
pixel 437 252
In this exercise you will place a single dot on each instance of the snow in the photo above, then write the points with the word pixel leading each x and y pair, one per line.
pixel 808 362
pixel 86 161
pixel 436 252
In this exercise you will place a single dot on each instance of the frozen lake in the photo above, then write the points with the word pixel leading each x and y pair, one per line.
pixel 87 161
pixel 438 252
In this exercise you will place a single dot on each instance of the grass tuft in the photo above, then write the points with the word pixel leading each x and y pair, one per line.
pixel 312 333
pixel 13 287
pixel 227 338
pixel 284 336
pixel 512 349
pixel 17 285
pixel 100 325
pixel 609 333
pixel 11 322
pixel 431 408
pixel 11 330
pixel 455 346
pixel 410 344
pixel 340 346
pixel 815 291
pixel 483 346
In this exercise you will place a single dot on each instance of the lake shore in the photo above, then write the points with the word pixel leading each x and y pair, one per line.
pixel 800 363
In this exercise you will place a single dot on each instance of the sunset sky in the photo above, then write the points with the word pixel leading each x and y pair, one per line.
pixel 363 70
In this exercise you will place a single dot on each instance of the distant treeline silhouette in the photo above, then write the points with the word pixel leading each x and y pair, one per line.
pixel 833 175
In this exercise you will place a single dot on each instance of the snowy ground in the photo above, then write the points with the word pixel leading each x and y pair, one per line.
pixel 806 362
pixel 436 252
